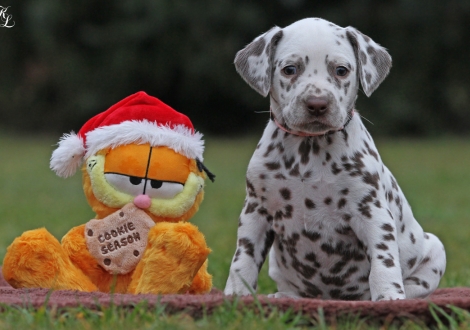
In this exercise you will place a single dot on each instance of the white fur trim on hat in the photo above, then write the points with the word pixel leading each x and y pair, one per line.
pixel 179 138
pixel 68 156
pixel 71 152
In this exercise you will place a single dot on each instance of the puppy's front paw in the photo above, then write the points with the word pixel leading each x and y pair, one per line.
pixel 284 294
pixel 389 296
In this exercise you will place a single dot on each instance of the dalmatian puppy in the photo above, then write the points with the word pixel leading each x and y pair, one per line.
pixel 319 199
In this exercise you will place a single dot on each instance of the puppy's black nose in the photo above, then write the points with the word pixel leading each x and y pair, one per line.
pixel 317 106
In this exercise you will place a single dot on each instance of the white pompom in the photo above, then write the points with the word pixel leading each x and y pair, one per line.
pixel 68 156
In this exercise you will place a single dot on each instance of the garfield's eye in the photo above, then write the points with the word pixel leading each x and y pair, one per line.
pixel 341 71
pixel 163 189
pixel 131 185
pixel 156 184
pixel 135 186
pixel 135 180
pixel 289 70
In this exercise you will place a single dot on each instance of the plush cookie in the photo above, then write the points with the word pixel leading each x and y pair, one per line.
pixel 118 241
pixel 143 176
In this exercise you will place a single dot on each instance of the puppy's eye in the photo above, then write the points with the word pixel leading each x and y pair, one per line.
pixel 290 70
pixel 341 71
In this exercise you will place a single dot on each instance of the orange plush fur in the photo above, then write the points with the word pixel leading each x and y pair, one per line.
pixel 175 259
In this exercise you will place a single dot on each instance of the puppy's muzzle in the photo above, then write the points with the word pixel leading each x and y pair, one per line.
pixel 317 106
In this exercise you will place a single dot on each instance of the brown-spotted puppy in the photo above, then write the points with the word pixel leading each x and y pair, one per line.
pixel 319 199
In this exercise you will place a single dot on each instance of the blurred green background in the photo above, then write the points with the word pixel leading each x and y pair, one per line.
pixel 64 61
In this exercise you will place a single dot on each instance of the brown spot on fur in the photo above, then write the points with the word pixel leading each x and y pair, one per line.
pixel 371 152
pixel 251 207
pixel 387 227
pixel 341 203
pixel 412 238
pixel 288 162
pixel 346 217
pixel 251 189
pixel 248 245
pixel 335 169
pixel 270 148
pixel 272 166
pixel 313 236
pixel 363 57
pixel 275 133
pixel 411 262
pixel 382 246
pixel 315 147
pixel 309 203
pixel 285 193
pixel 286 214
pixel 304 150
pixel 389 237
pixel 295 171
pixel 371 179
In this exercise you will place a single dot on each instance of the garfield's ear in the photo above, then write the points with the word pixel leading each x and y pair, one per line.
pixel 201 167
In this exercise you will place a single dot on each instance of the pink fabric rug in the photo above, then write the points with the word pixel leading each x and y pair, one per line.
pixel 196 305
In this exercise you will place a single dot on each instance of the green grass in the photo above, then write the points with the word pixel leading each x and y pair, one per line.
pixel 434 174
pixel 228 316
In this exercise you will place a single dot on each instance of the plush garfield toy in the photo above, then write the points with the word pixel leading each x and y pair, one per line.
pixel 143 177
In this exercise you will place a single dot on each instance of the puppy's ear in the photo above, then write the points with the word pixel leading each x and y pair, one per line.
pixel 374 62
pixel 254 62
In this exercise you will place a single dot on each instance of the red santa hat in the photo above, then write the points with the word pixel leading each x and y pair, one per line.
pixel 139 118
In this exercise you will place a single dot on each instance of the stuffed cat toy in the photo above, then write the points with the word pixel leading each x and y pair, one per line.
pixel 143 177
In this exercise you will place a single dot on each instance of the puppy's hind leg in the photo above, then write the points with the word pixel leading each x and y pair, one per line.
pixel 425 278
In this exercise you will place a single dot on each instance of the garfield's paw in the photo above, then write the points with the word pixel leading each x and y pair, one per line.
pixel 180 240
pixel 175 253
pixel 202 282
pixel 36 259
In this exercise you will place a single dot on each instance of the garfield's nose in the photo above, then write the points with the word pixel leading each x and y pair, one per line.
pixel 142 201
